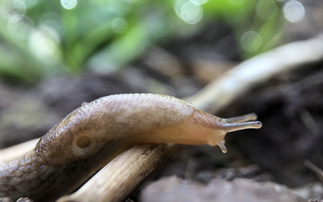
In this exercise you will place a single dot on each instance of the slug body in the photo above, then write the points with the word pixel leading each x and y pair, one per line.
pixel 93 134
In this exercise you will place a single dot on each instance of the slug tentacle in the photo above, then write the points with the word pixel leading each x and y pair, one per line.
pixel 222 146
pixel 90 136
pixel 243 118
pixel 230 127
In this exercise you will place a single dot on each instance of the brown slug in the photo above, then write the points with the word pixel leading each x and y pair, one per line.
pixel 93 134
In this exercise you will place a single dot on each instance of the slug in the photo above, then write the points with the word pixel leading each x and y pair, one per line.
pixel 93 134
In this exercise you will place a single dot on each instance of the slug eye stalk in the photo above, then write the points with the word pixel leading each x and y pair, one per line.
pixel 239 123
pixel 246 121
pixel 231 127
pixel 243 118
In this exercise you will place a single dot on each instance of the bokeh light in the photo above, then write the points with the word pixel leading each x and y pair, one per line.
pixel 266 9
pixel 120 6
pixel 119 25
pixel 236 2
pixel 51 21
pixel 178 6
pixel 100 27
pixel 31 3
pixel 9 8
pixel 68 4
pixel 250 41
pixel 20 26
pixel 191 13
pixel 294 11
pixel 200 2
pixel 41 45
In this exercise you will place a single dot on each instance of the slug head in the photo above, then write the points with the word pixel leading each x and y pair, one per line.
pixel 213 129
pixel 238 123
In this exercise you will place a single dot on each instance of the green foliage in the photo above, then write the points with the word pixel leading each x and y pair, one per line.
pixel 40 38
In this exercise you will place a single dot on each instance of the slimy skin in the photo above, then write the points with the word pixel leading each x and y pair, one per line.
pixel 93 134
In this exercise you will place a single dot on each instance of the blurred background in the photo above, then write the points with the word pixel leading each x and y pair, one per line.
pixel 41 39
pixel 54 55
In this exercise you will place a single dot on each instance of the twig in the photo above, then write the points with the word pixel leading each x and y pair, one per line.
pixel 240 79
pixel 17 150
pixel 117 179
pixel 315 169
